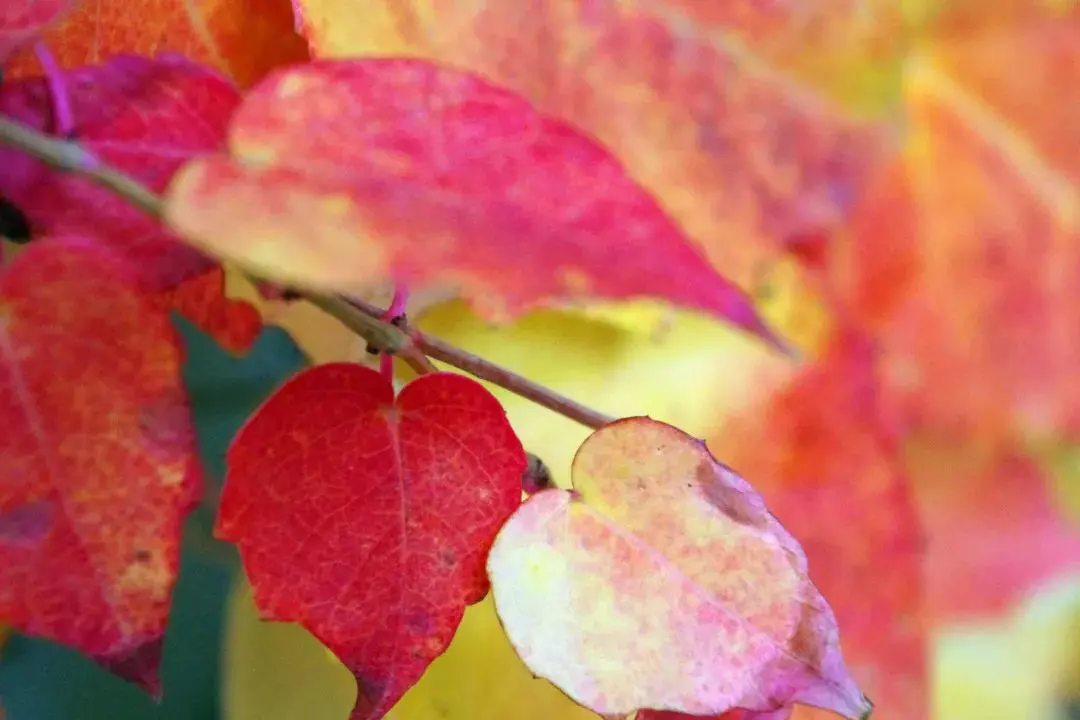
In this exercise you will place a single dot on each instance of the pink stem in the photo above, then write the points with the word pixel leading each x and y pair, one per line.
pixel 397 305
pixel 386 366
pixel 396 309
pixel 63 121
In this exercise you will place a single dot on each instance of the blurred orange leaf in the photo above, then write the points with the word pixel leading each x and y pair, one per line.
pixel 244 39
pixel 977 302
pixel 823 454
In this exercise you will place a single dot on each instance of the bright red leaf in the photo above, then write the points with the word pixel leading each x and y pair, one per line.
pixel 97 458
pixel 824 455
pixel 143 116
pixel 662 581
pixel 368 520
pixel 22 21
pixel 342 173
pixel 234 324
pixel 242 39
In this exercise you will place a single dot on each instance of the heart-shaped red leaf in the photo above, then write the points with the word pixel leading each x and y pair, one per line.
pixel 368 520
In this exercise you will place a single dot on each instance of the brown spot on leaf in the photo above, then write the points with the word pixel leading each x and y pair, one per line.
pixel 734 504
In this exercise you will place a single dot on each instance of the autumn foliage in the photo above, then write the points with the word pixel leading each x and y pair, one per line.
pixel 885 471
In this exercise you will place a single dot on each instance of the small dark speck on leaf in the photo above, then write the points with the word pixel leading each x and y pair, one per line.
pixel 26 524
pixel 446 556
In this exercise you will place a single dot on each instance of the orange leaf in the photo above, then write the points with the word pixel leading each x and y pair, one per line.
pixel 985 337
pixel 244 39
pixel 97 468
pixel 822 453
pixel 661 581
pixel 519 208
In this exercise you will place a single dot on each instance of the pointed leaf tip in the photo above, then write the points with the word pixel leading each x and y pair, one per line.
pixel 663 559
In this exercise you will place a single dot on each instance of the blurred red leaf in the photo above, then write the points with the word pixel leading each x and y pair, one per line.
pixel 22 21
pixel 98 464
pixel 350 187
pixel 965 264
pixel 994 533
pixel 748 121
pixel 142 116
pixel 368 520
pixel 823 454
pixel 234 324
pixel 243 39
pixel 661 580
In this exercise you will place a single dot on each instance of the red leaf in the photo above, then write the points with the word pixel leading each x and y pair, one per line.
pixel 234 324
pixel 21 21
pixel 994 532
pixel 142 116
pixel 368 520
pixel 97 463
pixel 518 207
pixel 661 580
pixel 824 456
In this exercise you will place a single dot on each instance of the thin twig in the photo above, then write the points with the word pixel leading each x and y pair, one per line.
pixel 71 158
pixel 392 314
pixel 360 317
pixel 486 370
